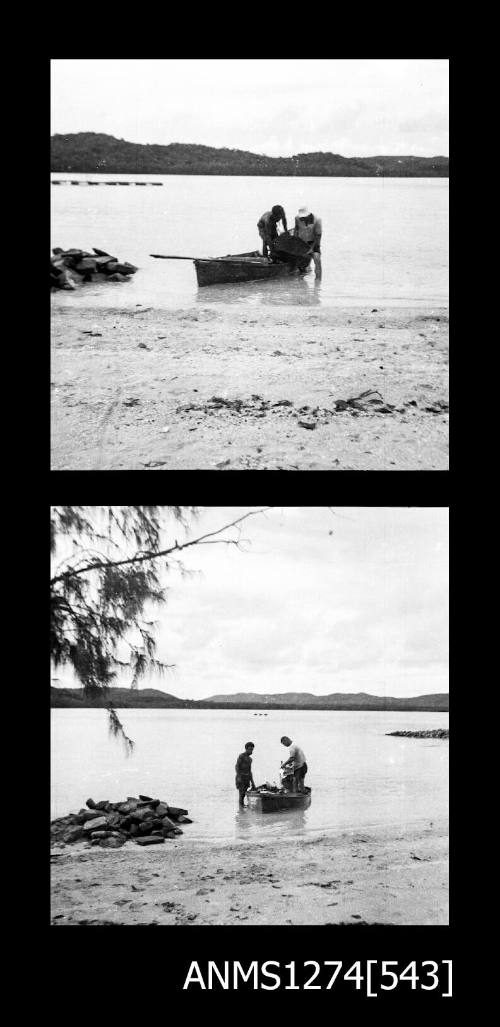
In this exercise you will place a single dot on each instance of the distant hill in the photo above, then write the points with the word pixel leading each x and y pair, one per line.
pixel 152 698
pixel 336 700
pixel 94 152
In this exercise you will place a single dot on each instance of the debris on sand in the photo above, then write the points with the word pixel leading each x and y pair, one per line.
pixel 110 824
pixel 366 401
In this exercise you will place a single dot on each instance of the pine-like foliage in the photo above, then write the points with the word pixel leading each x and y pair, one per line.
pixel 108 579
pixel 105 589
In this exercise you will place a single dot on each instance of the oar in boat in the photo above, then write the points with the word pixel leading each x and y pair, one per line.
pixel 165 256
pixel 170 256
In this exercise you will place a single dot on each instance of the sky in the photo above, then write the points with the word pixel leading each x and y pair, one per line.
pixel 315 600
pixel 358 108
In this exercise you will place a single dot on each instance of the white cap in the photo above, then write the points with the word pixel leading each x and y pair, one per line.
pixel 304 212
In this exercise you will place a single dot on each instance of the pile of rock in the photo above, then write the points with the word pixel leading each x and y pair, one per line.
pixel 70 267
pixel 143 820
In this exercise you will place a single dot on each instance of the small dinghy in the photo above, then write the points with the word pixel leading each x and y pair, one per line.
pixel 289 255
pixel 272 802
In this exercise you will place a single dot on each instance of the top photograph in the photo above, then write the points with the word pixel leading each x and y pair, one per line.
pixel 249 264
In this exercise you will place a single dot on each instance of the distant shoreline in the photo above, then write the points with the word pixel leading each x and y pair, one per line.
pixel 155 702
pixel 237 706
pixel 92 152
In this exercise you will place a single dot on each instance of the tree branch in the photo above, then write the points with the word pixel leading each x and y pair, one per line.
pixel 99 565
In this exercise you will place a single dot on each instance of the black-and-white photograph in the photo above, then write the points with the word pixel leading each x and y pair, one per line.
pixel 249 716
pixel 249 264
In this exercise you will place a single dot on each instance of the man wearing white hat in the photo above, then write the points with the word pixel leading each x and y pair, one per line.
pixel 308 228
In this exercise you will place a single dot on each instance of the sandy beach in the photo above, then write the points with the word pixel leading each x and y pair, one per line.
pixel 374 876
pixel 227 388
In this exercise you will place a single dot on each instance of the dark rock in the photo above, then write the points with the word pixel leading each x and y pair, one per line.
pixel 134 830
pixel 95 824
pixel 86 264
pixel 124 268
pixel 88 814
pixel 307 423
pixel 177 811
pixel 150 839
pixel 74 834
pixel 91 804
pixel 170 829
pixel 141 815
pixel 112 843
pixel 146 798
pixel 127 807
pixel 146 828
pixel 100 834
pixel 161 809
pixel 184 820
pixel 168 824
pixel 104 804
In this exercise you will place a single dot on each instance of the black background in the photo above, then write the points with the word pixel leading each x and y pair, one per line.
pixel 121 973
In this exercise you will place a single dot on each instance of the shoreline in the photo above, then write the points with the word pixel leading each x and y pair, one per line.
pixel 249 387
pixel 382 875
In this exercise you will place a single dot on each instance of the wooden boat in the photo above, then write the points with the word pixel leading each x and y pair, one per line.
pixel 289 255
pixel 239 267
pixel 274 802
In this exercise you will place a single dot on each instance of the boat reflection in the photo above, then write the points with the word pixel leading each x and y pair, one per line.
pixel 251 825
pixel 294 290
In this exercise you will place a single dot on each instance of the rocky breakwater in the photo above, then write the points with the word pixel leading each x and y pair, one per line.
pixel 442 732
pixel 109 825
pixel 68 268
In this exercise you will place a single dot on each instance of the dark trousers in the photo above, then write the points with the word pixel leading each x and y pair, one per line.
pixel 243 786
pixel 299 776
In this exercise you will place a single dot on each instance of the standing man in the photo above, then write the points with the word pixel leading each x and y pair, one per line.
pixel 296 761
pixel 268 227
pixel 308 228
pixel 243 768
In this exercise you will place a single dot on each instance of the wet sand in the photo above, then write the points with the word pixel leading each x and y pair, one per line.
pixel 383 876
pixel 135 389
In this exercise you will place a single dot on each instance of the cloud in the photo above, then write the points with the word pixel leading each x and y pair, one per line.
pixel 277 107
pixel 364 609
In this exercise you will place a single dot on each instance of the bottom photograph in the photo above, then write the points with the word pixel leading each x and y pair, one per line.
pixel 249 716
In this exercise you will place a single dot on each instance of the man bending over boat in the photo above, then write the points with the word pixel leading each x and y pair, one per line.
pixel 296 762
pixel 268 228
pixel 243 768
pixel 308 228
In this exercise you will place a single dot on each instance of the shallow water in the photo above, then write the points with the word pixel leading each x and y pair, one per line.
pixel 359 777
pixel 385 241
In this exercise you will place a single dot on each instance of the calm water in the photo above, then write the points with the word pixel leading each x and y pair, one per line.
pixel 359 777
pixel 385 241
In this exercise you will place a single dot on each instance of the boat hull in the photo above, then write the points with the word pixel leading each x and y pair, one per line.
pixel 242 267
pixel 274 802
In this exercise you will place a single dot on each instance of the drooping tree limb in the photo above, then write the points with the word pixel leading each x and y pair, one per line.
pixel 152 555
